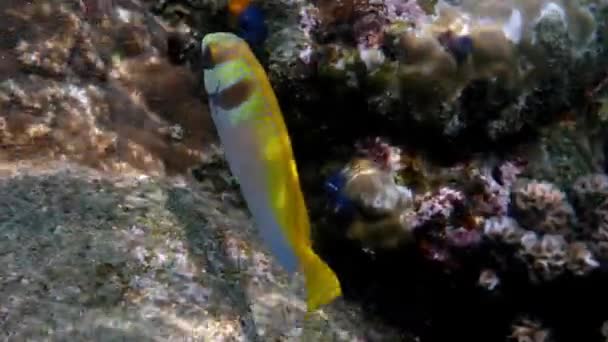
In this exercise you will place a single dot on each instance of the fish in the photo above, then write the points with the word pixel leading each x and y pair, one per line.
pixel 236 7
pixel 460 47
pixel 257 147
pixel 252 26
pixel 249 22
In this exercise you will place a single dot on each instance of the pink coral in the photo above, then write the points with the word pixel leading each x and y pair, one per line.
pixel 495 198
pixel 439 205
pixel 387 156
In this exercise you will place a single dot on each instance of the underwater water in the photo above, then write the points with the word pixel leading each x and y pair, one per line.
pixel 434 170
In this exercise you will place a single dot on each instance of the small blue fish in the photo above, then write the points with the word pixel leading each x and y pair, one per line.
pixel 460 47
pixel 334 187
pixel 252 26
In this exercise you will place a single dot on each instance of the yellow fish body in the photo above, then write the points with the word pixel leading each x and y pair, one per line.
pixel 258 149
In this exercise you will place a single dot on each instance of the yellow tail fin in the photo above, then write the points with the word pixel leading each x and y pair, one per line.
pixel 322 284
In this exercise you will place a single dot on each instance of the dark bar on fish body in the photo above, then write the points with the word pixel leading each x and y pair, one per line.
pixel 234 95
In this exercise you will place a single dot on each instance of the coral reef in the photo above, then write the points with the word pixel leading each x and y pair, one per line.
pixel 492 235
pixel 105 236
pixel 470 71
pixel 419 237
pixel 517 234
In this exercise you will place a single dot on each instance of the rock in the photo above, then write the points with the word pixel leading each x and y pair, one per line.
pixel 79 262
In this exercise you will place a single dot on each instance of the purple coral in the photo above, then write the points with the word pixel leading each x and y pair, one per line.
pixel 309 22
pixel 439 205
pixel 495 196
pixel 309 19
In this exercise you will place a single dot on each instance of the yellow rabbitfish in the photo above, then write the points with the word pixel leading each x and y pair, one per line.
pixel 258 149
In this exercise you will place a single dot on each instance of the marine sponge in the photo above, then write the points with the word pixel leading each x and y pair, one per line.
pixel 542 207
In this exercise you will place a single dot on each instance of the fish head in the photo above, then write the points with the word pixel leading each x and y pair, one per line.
pixel 236 7
pixel 229 75
pixel 220 47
